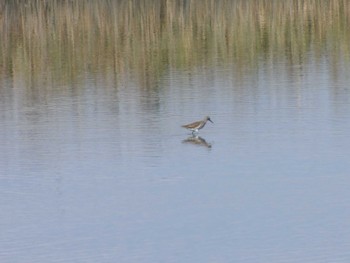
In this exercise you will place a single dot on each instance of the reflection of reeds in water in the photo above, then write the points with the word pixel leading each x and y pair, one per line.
pixel 67 38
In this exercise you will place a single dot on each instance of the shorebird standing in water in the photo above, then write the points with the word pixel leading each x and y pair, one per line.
pixel 195 126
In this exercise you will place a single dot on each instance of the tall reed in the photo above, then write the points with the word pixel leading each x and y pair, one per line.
pixel 65 39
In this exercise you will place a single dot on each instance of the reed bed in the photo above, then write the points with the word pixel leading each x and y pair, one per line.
pixel 65 39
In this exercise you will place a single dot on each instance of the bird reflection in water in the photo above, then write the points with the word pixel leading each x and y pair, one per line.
pixel 197 140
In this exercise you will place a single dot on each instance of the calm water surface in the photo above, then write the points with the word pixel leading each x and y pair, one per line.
pixel 100 170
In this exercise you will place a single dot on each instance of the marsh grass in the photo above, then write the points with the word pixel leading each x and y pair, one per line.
pixel 63 40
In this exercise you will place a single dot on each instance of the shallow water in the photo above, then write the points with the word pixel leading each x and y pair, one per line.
pixel 96 170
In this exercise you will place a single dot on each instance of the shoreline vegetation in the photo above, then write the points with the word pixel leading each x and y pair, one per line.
pixel 59 41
